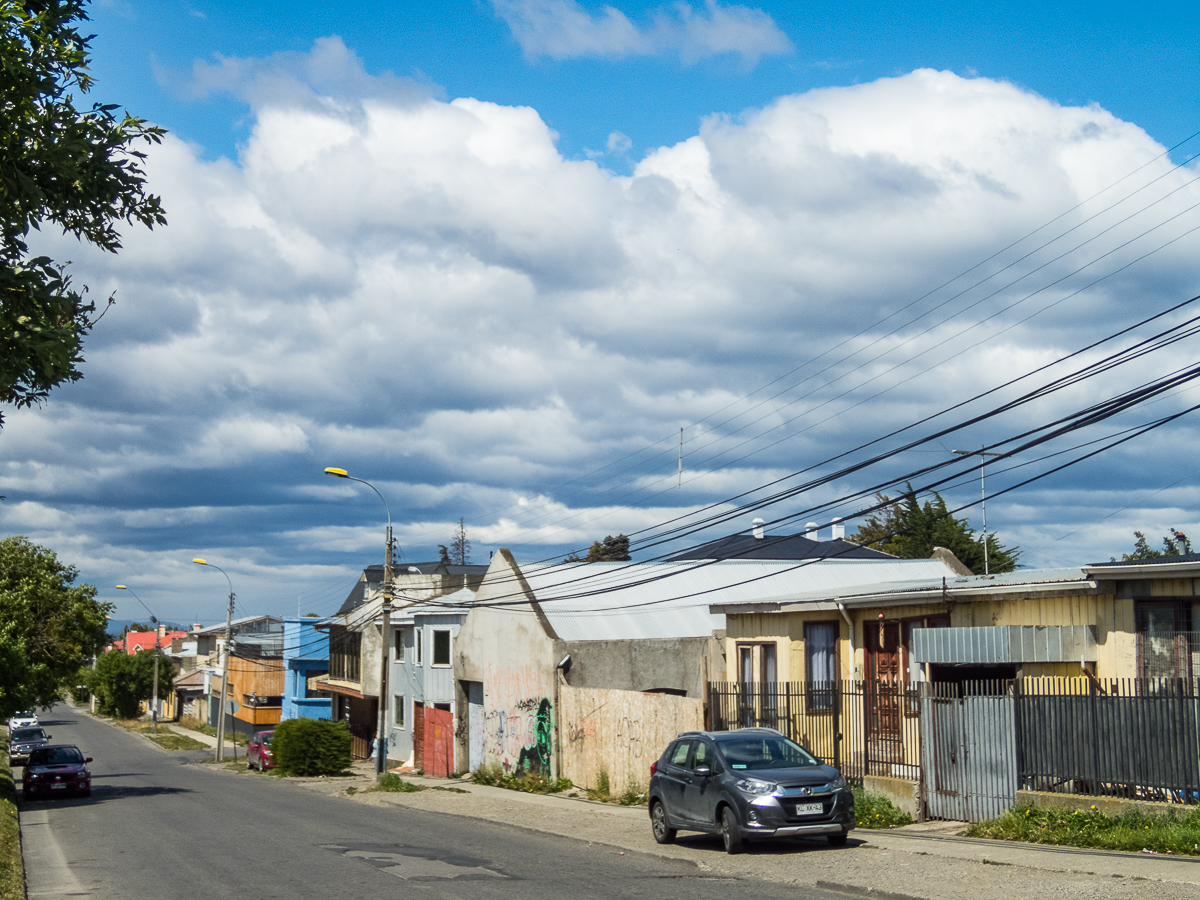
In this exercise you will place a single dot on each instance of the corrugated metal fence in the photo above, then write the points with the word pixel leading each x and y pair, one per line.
pixel 972 744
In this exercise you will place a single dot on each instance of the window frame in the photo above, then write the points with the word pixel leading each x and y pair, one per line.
pixel 399 643
pixel 433 650
pixel 418 641
pixel 822 701
pixel 399 712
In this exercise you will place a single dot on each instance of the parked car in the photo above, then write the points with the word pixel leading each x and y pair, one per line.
pixel 258 751
pixel 753 782
pixel 26 719
pixel 22 740
pixel 56 769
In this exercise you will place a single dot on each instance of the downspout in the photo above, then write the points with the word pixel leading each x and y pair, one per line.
pixel 849 630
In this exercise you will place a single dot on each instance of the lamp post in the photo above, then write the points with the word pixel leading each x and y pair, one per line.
pixel 225 662
pixel 983 455
pixel 154 698
pixel 385 637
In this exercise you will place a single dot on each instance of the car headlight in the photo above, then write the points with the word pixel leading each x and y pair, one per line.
pixel 838 784
pixel 754 786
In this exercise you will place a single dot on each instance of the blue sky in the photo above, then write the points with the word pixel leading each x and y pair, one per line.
pixel 493 256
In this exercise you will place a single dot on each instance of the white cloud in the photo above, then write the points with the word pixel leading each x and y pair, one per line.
pixel 428 294
pixel 562 29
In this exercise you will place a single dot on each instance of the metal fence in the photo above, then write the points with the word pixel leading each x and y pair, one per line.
pixel 861 728
pixel 973 744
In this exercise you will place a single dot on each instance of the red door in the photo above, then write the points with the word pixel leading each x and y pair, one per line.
pixel 439 743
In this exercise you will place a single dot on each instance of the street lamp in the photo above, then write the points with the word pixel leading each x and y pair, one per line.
pixel 225 663
pixel 154 698
pixel 384 656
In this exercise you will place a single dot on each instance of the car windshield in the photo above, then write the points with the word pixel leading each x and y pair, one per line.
pixel 759 751
pixel 266 738
pixel 29 734
pixel 55 756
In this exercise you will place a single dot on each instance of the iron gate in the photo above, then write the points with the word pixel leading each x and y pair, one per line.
pixel 969 755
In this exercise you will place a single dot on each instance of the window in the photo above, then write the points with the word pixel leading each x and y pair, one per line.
pixel 398 710
pixel 344 654
pixel 1166 641
pixel 441 648
pixel 417 643
pixel 400 636
pixel 680 755
pixel 820 664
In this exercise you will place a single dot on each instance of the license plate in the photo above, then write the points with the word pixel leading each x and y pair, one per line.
pixel 809 809
pixel 58 787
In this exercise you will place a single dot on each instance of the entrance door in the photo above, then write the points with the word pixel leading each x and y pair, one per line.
pixel 474 724
pixel 884 691
pixel 439 741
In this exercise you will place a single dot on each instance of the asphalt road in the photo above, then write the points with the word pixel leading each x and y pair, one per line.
pixel 159 824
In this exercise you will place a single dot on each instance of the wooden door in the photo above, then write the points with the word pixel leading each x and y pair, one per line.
pixel 884 690
pixel 439 743
pixel 419 735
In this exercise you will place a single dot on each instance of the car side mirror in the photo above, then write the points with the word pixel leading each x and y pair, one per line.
pixel 702 771
pixel 88 760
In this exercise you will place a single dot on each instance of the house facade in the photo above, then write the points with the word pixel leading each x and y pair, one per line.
pixel 305 659
pixel 630 626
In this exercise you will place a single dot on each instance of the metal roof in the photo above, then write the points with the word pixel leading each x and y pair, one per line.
pixel 219 630
pixel 920 589
pixel 778 546
pixel 997 644
pixel 458 603
pixel 638 601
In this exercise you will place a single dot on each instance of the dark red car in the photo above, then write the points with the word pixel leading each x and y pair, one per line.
pixel 56 769
pixel 258 751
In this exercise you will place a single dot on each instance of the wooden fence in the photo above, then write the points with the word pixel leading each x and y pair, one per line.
pixel 619 732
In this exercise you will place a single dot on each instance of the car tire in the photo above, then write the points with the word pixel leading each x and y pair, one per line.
pixel 86 793
pixel 837 840
pixel 663 832
pixel 730 832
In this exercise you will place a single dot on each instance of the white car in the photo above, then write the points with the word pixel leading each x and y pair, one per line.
pixel 22 720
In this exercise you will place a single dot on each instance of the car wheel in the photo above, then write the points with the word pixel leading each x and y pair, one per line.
pixel 663 832
pixel 837 840
pixel 86 792
pixel 730 832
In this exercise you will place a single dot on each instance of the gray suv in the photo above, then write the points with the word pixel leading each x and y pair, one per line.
pixel 753 782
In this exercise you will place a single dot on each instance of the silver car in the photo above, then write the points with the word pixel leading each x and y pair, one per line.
pixel 22 740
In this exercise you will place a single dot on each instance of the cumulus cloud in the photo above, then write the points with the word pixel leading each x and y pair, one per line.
pixel 562 29
pixel 427 293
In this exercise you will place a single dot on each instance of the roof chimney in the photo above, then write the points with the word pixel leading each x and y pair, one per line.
pixel 758 529
pixel 196 626
pixel 811 531
pixel 839 530
pixel 162 631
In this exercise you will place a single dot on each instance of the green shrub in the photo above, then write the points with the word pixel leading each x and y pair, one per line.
pixel 393 783
pixel 875 811
pixel 603 788
pixel 308 747
pixel 633 795
pixel 529 782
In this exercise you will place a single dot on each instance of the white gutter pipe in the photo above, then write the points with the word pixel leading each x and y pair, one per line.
pixel 849 630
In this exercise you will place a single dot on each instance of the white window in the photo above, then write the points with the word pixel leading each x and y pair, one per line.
pixel 398 710
pixel 417 640
pixel 401 635
pixel 441 647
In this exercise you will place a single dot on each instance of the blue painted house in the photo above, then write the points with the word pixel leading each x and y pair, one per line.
pixel 305 656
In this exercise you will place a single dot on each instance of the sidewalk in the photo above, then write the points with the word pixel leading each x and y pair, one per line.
pixel 921 861
pixel 205 739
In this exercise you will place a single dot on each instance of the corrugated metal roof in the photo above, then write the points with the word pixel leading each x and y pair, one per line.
pixel 954 584
pixel 1005 644
pixel 451 604
pixel 637 601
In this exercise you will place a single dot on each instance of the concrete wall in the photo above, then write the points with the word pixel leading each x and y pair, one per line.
pixel 904 794
pixel 621 733
pixel 677 664
pixel 509 652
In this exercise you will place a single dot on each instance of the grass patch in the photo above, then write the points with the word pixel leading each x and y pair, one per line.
pixel 875 811
pixel 1170 832
pixel 231 737
pixel 633 794
pixel 165 737
pixel 529 782
pixel 12 868
pixel 394 784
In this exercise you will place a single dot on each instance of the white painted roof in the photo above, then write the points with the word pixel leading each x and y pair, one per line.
pixel 637 601
pixel 457 603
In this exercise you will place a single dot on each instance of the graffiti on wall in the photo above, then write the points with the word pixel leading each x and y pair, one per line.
pixel 520 736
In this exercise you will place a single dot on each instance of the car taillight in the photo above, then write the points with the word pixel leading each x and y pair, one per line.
pixel 653 767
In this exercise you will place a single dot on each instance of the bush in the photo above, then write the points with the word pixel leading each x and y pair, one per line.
pixel 308 747
pixel 393 783
pixel 633 794
pixel 875 811
pixel 121 681
pixel 529 782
